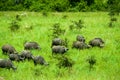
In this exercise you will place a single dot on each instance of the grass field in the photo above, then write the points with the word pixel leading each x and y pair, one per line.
pixel 107 65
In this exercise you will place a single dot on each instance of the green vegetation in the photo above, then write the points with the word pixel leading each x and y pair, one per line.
pixel 89 64
pixel 57 31
pixel 59 5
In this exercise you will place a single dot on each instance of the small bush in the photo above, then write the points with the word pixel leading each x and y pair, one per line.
pixel 91 61
pixel 65 62
pixel 14 25
pixel 57 31
pixel 45 14
pixel 111 13
pixel 64 16
pixel 113 19
pixel 77 25
pixel 111 24
pixel 18 17
pixel 71 27
pixel 65 42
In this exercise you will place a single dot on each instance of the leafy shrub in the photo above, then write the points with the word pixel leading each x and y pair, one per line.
pixel 18 17
pixel 59 5
pixel 14 25
pixel 65 62
pixel 91 61
pixel 64 16
pixel 44 13
pixel 114 6
pixel 57 31
pixel 65 42
pixel 82 6
pixel 76 25
pixel 113 19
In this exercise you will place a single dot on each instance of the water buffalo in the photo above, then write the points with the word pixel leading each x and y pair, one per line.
pixel 59 49
pixel 97 42
pixel 39 60
pixel 31 45
pixel 8 49
pixel 56 41
pixel 15 57
pixel 6 63
pixel 80 45
pixel 80 38
pixel 26 54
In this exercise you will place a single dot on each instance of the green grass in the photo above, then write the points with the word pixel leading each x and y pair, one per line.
pixel 107 66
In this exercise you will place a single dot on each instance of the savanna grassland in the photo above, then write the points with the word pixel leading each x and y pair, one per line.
pixel 35 26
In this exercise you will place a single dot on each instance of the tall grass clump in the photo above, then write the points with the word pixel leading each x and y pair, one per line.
pixel 113 19
pixel 45 13
pixel 88 64
pixel 18 17
pixel 14 25
pixel 65 62
pixel 57 30
pixel 91 61
pixel 76 25
pixel 65 42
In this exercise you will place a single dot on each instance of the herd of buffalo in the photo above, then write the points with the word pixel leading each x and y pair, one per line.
pixel 56 47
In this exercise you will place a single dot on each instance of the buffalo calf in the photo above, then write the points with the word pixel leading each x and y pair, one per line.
pixel 26 54
pixel 59 49
pixel 80 45
pixel 39 60
pixel 15 57
pixel 8 49
pixel 31 45
pixel 97 42
pixel 6 63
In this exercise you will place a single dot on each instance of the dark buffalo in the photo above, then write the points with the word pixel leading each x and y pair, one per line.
pixel 8 49
pixel 80 45
pixel 26 54
pixel 31 45
pixel 59 49
pixel 97 42
pixel 80 38
pixel 39 60
pixel 15 57
pixel 56 41
pixel 6 63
